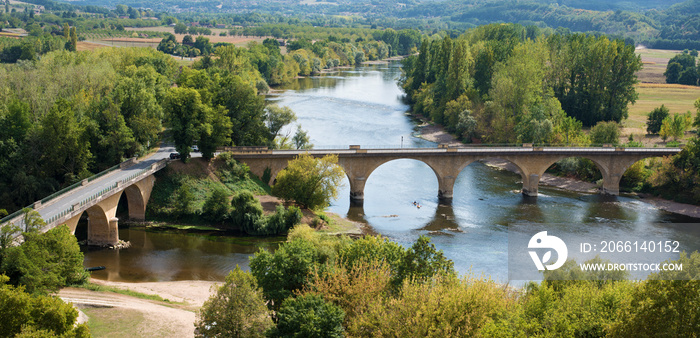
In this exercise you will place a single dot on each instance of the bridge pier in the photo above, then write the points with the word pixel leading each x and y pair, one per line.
pixel 446 185
pixel 531 185
pixel 103 232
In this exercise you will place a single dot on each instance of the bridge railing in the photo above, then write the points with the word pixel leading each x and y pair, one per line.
pixel 121 183
pixel 18 214
pixel 428 145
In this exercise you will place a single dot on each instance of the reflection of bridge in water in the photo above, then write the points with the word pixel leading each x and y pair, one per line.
pixel 99 196
pixel 448 162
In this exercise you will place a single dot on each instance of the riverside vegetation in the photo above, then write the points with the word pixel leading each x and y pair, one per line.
pixel 320 286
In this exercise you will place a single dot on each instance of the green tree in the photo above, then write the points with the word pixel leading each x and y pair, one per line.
pixel 110 138
pixel 63 153
pixel 301 139
pixel 183 107
pixel 277 117
pixel 236 310
pixel 245 109
pixel 682 69
pixel 422 262
pixel 23 314
pixel 675 126
pixel 45 261
pixel 183 201
pixel 665 304
pixel 656 118
pixel 8 232
pixel 137 93
pixel 73 39
pixel 275 224
pixel 605 133
pixel 309 181
pixel 284 271
pixel 33 223
pixel 180 28
pixel 309 316
pixel 214 130
pixel 593 77
pixel 370 249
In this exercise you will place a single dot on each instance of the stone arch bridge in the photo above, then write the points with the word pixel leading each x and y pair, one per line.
pixel 448 162
pixel 99 195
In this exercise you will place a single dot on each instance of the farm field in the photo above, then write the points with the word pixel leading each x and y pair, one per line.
pixel 654 91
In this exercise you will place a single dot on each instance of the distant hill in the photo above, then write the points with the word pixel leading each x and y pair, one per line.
pixel 670 24
pixel 605 5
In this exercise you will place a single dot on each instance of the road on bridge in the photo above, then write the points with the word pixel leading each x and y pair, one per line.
pixel 60 203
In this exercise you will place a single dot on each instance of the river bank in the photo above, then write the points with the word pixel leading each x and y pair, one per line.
pixel 437 134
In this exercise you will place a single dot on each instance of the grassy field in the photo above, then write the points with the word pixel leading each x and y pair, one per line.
pixel 653 91
pixel 111 322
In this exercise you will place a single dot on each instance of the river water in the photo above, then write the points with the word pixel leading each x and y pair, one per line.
pixel 363 106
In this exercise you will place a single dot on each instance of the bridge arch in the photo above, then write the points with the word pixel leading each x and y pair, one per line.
pixel 380 172
pixel 103 225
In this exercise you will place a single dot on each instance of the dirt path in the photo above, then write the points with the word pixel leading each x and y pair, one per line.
pixel 141 317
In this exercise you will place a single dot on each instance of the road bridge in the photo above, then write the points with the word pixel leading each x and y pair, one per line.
pixel 98 196
pixel 448 162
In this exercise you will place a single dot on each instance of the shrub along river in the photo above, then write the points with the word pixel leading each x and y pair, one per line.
pixel 363 106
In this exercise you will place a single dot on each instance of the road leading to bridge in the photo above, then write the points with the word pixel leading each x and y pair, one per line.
pixel 65 201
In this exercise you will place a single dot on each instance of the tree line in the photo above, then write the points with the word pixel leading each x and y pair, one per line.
pixel 509 84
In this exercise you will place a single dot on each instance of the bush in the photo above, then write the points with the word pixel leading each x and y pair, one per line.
pixel 183 201
pixel 578 167
pixel 635 176
pixel 236 310
pixel 422 262
pixel 232 170
pixel 279 222
pixel 445 308
pixel 216 206
pixel 309 316
pixel 668 308
pixel 605 133
pixel 245 210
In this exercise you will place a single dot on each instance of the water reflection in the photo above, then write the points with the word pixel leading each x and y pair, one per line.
pixel 156 256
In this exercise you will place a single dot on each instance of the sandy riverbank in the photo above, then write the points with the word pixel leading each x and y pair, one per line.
pixel 436 133
pixel 137 317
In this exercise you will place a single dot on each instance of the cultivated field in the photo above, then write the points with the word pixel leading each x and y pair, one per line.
pixel 236 40
pixel 654 91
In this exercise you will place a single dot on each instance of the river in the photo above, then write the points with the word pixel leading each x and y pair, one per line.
pixel 363 106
